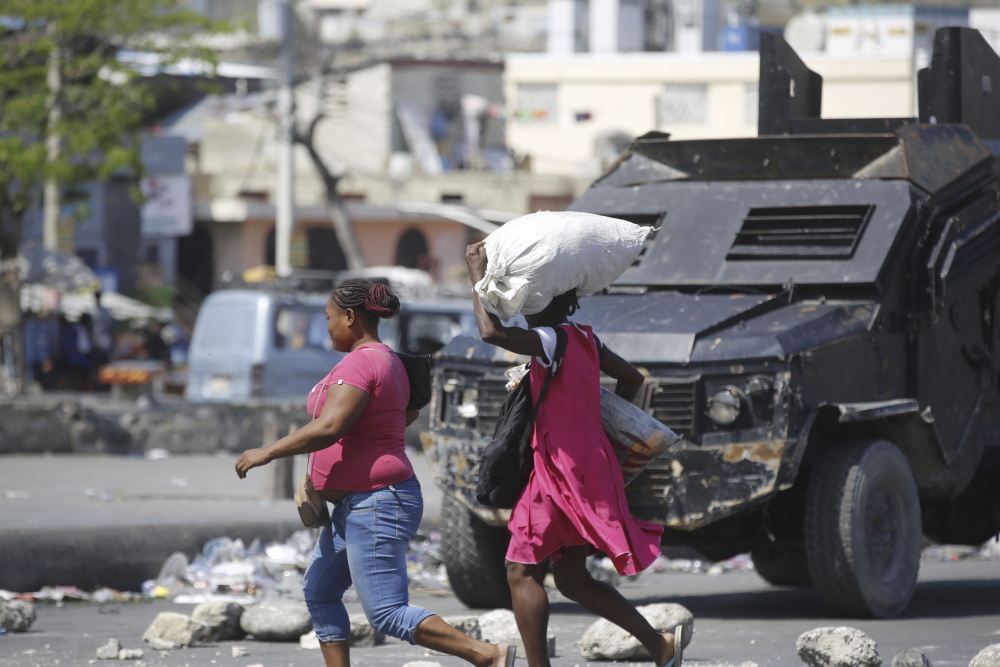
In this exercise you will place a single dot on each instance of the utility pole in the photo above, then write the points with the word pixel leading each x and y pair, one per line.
pixel 285 210
pixel 52 196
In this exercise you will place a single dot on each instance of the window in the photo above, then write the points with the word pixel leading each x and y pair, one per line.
pixel 683 103
pixel 300 328
pixel 429 332
pixel 336 98
pixel 225 327
pixel 536 102
pixel 751 101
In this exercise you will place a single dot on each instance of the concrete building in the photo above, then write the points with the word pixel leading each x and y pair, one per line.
pixel 129 246
pixel 492 24
pixel 564 111
pixel 420 151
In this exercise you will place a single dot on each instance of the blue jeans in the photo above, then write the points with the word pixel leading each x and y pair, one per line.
pixel 366 543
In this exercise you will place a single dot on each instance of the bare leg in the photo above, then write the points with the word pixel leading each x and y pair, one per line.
pixel 336 654
pixel 597 597
pixel 434 633
pixel 531 610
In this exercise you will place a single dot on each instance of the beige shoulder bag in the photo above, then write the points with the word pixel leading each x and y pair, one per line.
pixel 312 508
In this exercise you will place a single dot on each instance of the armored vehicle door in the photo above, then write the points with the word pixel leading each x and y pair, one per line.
pixel 956 350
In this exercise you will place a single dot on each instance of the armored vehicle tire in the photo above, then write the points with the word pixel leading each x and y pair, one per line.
pixel 863 529
pixel 781 565
pixel 473 554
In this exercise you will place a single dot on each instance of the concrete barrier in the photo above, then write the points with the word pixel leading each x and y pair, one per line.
pixel 95 424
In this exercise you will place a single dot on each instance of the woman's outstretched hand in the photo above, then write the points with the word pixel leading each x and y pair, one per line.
pixel 251 458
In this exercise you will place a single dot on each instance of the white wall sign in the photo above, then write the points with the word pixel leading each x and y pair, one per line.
pixel 167 210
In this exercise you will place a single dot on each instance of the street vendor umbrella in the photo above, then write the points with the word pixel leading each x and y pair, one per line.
pixel 59 270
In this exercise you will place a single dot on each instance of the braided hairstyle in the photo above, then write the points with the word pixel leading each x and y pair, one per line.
pixel 371 300
pixel 563 304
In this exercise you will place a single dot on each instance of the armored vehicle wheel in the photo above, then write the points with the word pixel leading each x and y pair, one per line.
pixel 863 529
pixel 781 565
pixel 473 554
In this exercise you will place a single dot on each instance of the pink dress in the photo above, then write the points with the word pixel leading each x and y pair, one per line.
pixel 575 495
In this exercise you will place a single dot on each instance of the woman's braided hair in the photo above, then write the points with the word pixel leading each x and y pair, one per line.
pixel 366 297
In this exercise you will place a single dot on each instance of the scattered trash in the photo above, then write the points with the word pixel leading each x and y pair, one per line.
pixel 17 495
pixel 107 495
pixel 425 568
pixel 156 455
pixel 231 571
pixel 104 595
pixel 991 549
pixel 947 553
pixel 227 569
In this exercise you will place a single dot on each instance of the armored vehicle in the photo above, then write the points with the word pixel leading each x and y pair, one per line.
pixel 816 315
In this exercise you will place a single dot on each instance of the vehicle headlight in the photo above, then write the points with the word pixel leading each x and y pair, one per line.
pixel 468 404
pixel 724 406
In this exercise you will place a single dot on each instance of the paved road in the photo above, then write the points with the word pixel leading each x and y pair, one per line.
pixel 738 619
pixel 110 520
pixel 95 490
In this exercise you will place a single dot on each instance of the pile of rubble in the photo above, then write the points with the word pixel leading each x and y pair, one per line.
pixel 288 620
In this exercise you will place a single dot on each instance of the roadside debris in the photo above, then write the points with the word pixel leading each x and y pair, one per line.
pixel 499 626
pixel 222 618
pixel 837 647
pixel 606 641
pixel 363 634
pixel 112 650
pixel 309 640
pixel 277 620
pixel 171 630
pixel 910 657
pixel 988 657
pixel 16 615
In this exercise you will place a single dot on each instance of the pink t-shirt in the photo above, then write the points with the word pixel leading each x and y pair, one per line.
pixel 372 453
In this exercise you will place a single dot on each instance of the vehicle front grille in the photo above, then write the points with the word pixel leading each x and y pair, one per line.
pixel 675 405
pixel 650 488
pixel 492 393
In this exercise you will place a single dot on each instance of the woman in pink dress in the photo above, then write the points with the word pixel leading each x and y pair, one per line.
pixel 574 503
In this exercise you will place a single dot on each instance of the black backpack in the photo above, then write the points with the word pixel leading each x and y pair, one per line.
pixel 508 460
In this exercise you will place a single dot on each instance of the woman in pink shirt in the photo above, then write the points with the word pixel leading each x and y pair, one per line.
pixel 359 464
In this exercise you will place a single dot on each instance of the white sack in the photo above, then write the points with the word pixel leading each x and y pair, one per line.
pixel 541 255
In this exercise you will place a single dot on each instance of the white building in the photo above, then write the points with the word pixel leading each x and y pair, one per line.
pixel 560 108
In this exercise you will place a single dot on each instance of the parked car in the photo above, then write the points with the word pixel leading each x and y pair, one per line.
pixel 816 315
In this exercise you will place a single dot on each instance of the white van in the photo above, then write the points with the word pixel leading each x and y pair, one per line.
pixel 258 343
pixel 250 343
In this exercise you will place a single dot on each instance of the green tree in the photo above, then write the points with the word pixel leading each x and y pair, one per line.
pixel 71 112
